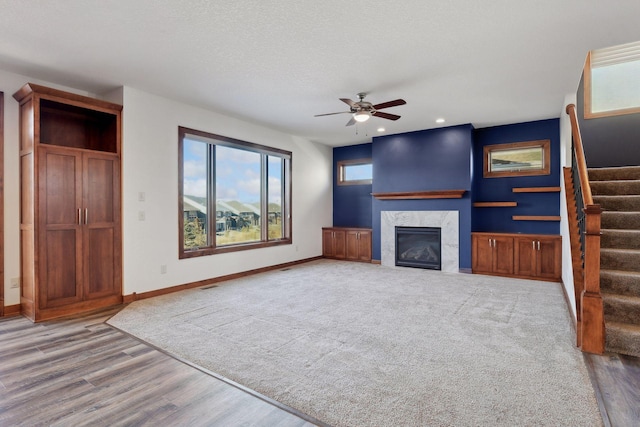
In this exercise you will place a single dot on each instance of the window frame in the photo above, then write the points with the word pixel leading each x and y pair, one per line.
pixel 341 164
pixel 587 98
pixel 287 186
pixel 545 144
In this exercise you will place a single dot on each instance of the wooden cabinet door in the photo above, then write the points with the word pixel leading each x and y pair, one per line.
pixel 327 243
pixel 351 245
pixel 482 254
pixel 358 245
pixel 339 244
pixel 525 256
pixel 502 254
pixel 101 220
pixel 60 236
pixel 364 246
pixel 549 258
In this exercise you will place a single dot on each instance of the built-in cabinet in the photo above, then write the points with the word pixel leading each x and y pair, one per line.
pixel 353 244
pixel 70 213
pixel 529 256
pixel 492 254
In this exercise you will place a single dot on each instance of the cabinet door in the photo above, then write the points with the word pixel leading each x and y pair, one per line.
pixel 339 244
pixel 60 235
pixel 351 245
pixel 549 258
pixel 482 254
pixel 364 245
pixel 101 219
pixel 327 243
pixel 525 256
pixel 503 255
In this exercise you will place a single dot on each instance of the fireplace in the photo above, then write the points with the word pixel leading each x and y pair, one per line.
pixel 419 247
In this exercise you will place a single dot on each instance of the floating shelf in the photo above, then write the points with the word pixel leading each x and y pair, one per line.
pixel 494 204
pixel 435 194
pixel 535 218
pixel 536 189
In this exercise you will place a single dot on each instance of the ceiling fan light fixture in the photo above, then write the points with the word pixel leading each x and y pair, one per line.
pixel 361 116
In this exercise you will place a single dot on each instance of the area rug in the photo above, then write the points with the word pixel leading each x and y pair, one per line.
pixel 365 345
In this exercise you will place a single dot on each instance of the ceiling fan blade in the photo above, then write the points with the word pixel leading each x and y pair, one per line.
pixel 388 104
pixel 331 114
pixel 349 102
pixel 386 115
pixel 351 122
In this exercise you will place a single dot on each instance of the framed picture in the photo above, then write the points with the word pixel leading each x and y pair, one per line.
pixel 517 159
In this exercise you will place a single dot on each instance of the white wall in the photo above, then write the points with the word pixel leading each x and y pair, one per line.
pixel 150 165
pixel 565 161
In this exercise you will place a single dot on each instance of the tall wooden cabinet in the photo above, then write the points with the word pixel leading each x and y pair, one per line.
pixel 70 213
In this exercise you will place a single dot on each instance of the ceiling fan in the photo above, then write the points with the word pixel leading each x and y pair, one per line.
pixel 362 110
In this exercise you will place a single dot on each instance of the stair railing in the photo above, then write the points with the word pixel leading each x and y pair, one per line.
pixel 589 307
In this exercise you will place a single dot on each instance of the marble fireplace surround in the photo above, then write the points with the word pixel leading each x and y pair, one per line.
pixel 446 220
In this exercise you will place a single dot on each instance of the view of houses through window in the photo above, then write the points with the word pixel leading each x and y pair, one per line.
pixel 249 184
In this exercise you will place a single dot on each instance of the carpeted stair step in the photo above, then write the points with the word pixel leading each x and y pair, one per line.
pixel 623 338
pixel 620 282
pixel 620 259
pixel 625 203
pixel 621 308
pixel 620 239
pixel 609 174
pixel 620 187
pixel 620 220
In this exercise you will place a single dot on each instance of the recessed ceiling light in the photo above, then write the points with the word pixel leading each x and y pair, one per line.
pixel 381 129
pixel 440 120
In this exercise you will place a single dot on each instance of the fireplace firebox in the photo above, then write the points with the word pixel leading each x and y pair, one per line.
pixel 419 247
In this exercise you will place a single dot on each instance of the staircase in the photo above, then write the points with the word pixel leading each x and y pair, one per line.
pixel 617 190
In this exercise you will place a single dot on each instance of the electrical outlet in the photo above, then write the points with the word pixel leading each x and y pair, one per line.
pixel 163 269
pixel 15 283
pixel 141 196
pixel 297 248
pixel 141 216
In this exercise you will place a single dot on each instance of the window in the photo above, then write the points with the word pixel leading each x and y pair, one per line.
pixel 247 185
pixel 517 159
pixel 355 172
pixel 611 83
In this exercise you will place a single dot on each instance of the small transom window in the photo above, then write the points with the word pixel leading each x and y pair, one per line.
pixel 355 172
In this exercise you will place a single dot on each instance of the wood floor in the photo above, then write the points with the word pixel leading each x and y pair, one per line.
pixel 81 372
pixel 616 380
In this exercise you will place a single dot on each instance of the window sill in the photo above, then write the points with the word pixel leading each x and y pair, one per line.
pixel 184 254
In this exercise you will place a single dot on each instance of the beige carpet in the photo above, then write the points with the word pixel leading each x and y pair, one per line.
pixel 364 345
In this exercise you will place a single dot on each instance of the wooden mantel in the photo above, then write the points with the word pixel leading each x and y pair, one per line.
pixel 433 194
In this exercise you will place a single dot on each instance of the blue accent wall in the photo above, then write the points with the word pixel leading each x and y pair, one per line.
pixel 449 159
pixel 498 219
pixel 351 203
pixel 436 159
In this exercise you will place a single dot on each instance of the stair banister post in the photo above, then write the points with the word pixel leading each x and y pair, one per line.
pixel 593 331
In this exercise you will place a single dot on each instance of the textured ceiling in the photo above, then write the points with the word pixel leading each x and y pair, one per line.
pixel 278 63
